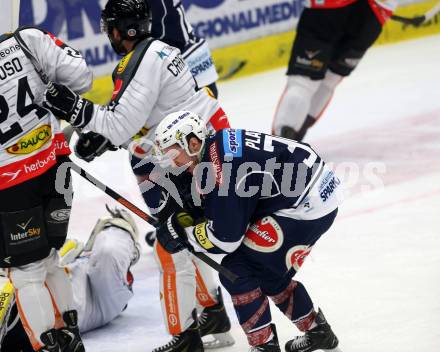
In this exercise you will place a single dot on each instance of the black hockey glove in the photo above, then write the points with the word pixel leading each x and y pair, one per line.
pixel 67 105
pixel 91 145
pixel 171 234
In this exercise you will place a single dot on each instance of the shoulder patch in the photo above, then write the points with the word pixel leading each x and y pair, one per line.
pixel 232 142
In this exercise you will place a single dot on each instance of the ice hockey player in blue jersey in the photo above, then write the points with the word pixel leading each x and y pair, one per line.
pixel 266 201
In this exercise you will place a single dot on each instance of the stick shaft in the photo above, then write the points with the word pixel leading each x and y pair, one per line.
pixel 148 218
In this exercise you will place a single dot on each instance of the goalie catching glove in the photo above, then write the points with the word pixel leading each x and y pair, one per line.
pixel 68 105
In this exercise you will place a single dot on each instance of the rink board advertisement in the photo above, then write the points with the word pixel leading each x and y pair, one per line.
pixel 246 36
pixel 222 22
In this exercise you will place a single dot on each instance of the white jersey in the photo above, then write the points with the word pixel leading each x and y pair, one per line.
pixel 30 136
pixel 151 82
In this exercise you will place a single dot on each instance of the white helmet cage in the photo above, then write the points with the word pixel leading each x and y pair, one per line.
pixel 177 128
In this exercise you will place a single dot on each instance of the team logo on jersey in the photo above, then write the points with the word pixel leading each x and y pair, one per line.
pixel 295 256
pixel 32 141
pixel 232 143
pixel 265 235
pixel 124 63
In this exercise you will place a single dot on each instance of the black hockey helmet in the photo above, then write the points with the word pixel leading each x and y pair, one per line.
pixel 132 18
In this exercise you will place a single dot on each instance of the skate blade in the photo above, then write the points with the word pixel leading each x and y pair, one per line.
pixel 218 341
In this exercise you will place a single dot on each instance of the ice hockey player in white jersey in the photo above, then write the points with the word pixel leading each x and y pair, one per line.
pixel 100 276
pixel 151 81
pixel 34 216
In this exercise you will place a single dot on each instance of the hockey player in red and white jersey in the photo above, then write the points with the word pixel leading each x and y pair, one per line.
pixel 151 81
pixel 332 37
pixel 100 274
pixel 34 216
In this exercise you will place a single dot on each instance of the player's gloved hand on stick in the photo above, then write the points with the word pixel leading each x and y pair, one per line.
pixel 171 234
pixel 91 145
pixel 67 105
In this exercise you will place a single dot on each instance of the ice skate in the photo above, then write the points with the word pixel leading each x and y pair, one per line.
pixel 320 337
pixel 69 337
pixel 270 346
pixel 49 338
pixel 187 341
pixel 214 321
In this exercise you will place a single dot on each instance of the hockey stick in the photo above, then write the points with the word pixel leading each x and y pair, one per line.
pixel 148 218
pixel 418 20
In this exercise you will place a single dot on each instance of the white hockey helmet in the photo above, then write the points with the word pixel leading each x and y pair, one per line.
pixel 177 127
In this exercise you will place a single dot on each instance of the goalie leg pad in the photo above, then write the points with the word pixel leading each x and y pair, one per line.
pixel 177 288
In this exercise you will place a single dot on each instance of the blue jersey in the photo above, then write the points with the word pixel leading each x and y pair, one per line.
pixel 244 176
pixel 170 24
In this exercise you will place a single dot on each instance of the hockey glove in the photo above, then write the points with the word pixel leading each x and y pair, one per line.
pixel 172 235
pixel 67 105
pixel 91 145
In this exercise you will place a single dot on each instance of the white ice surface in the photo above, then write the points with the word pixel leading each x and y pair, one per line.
pixel 376 273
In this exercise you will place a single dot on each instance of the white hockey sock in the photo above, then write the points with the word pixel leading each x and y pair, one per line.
pixel 324 94
pixel 294 104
